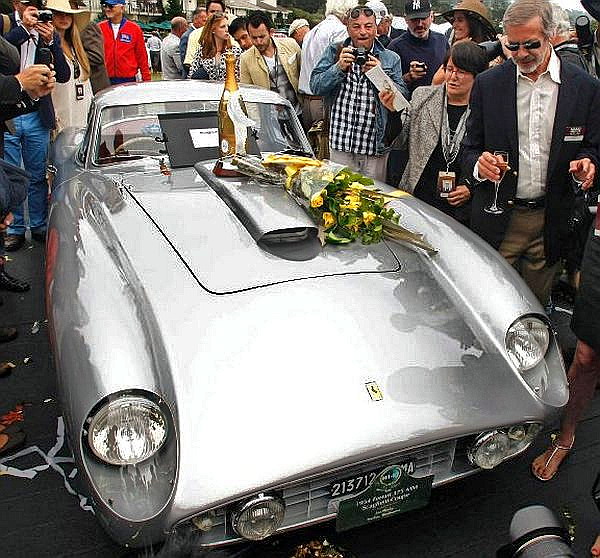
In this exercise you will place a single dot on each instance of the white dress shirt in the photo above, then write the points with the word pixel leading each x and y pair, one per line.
pixel 536 107
pixel 330 30
pixel 29 46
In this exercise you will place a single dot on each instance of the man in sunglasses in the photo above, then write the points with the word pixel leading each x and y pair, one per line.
pixel 546 116
pixel 358 118
pixel 124 46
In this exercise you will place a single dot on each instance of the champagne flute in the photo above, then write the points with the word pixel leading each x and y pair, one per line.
pixel 502 164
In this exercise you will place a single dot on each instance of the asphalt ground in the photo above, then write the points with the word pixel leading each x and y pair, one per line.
pixel 44 515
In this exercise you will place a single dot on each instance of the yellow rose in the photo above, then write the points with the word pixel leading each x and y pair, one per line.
pixel 352 202
pixel 356 186
pixel 368 217
pixel 316 201
pixel 328 220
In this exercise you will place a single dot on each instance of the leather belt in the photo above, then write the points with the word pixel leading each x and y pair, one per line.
pixel 311 97
pixel 533 203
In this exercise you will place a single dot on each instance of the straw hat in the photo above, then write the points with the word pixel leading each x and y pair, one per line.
pixel 476 10
pixel 81 17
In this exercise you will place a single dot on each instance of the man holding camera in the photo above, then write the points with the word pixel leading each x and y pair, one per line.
pixel 17 88
pixel 358 117
pixel 421 50
pixel 27 142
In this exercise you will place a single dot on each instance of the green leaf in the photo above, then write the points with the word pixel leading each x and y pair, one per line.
pixel 333 238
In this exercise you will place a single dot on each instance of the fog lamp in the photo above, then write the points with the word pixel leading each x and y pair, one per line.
pixel 489 449
pixel 259 517
pixel 205 522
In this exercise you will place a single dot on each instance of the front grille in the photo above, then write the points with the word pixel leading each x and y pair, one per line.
pixel 308 501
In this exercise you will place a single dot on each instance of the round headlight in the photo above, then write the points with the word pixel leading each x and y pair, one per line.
pixel 527 341
pixel 259 518
pixel 127 431
pixel 489 449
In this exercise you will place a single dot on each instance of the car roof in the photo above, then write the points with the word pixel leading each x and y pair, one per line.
pixel 177 90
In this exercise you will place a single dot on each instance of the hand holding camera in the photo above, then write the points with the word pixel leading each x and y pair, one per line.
pixel 44 25
pixel 416 70
pixel 347 58
pixel 37 80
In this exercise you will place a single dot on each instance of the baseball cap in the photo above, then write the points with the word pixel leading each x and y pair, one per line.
pixel 295 25
pixel 379 9
pixel 113 2
pixel 417 9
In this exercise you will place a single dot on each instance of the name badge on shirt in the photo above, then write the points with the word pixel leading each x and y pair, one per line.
pixel 574 133
pixel 125 38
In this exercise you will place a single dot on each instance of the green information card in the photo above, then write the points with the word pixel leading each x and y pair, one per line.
pixel 391 492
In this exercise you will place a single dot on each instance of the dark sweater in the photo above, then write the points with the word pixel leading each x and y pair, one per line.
pixel 431 51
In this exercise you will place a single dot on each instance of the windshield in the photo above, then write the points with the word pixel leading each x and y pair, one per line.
pixel 176 129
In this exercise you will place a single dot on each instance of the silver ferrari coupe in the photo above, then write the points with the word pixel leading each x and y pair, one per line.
pixel 224 377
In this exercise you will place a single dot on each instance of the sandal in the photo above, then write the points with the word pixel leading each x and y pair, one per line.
pixel 10 442
pixel 554 448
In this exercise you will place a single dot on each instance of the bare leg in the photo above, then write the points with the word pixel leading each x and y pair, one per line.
pixel 583 377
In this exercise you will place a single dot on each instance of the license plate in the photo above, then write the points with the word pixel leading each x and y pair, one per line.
pixel 360 481
pixel 392 491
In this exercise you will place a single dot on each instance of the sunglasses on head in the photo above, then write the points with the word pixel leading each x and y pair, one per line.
pixel 529 45
pixel 355 12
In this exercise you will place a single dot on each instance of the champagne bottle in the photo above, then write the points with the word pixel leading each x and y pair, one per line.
pixel 227 142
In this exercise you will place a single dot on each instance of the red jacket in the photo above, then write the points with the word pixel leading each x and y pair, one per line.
pixel 125 54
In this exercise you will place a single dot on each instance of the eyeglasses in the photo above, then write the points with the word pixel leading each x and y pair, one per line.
pixel 529 45
pixel 355 12
pixel 459 73
pixel 76 69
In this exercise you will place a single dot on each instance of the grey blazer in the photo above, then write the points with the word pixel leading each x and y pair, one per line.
pixel 421 132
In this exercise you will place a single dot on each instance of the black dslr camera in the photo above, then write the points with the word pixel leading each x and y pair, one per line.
pixel 360 55
pixel 44 16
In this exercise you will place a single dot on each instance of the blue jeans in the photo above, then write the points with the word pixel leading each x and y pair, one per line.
pixel 28 147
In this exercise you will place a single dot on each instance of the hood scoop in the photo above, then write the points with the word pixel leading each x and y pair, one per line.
pixel 278 225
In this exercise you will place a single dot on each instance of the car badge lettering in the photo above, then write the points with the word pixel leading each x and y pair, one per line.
pixel 374 391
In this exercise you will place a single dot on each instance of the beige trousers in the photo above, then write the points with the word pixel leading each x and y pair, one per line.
pixel 523 248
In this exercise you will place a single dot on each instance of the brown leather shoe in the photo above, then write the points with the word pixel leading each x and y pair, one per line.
pixel 8 334
pixel 13 242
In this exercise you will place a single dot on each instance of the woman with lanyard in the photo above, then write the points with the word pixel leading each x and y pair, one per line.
pixel 209 62
pixel 433 132
pixel 72 99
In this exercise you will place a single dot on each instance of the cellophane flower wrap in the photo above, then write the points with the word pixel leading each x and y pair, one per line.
pixel 343 202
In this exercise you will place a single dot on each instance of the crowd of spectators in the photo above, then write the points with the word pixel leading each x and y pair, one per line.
pixel 535 110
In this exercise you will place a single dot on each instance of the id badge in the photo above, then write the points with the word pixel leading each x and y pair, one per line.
pixel 446 183
pixel 79 91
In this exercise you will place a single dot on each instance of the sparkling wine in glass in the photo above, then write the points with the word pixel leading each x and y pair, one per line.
pixel 502 164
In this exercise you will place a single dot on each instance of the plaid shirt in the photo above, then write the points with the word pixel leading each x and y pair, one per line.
pixel 352 125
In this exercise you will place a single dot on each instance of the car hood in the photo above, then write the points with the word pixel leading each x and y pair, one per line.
pixel 222 251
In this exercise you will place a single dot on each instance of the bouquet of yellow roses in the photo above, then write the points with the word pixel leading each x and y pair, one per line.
pixel 341 202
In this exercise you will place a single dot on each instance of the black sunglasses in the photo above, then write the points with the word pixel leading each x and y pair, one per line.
pixel 529 45
pixel 76 69
pixel 355 12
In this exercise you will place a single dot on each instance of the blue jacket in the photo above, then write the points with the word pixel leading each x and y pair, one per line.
pixel 327 77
